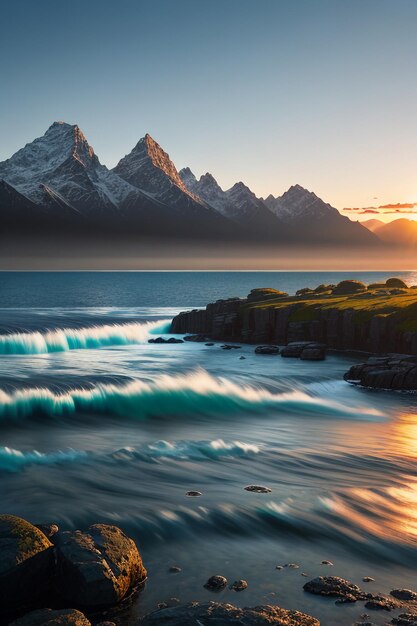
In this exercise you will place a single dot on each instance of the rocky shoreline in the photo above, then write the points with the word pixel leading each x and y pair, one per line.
pixel 75 578
pixel 349 317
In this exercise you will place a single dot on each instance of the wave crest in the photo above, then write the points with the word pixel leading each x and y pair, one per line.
pixel 64 339
pixel 193 394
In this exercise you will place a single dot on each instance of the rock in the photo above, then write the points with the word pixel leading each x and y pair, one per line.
pixel 395 371
pixel 193 494
pixel 267 350
pixel 241 358
pixel 48 529
pixel 174 569
pixel 230 347
pixel 347 287
pixel 306 350
pixel 239 585
pixel 216 583
pixel 403 594
pixel 26 562
pixel 163 340
pixel 368 579
pixel 219 614
pixel 258 489
pixel 348 598
pixel 326 562
pixel 98 567
pixel 48 617
pixel 106 624
pixel 333 586
pixel 405 619
pixel 197 338
pixel 265 293
pixel 280 567
pixel 210 343
pixel 292 565
pixel 396 282
pixel 380 603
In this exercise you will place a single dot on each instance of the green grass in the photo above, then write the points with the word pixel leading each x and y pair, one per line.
pixel 308 307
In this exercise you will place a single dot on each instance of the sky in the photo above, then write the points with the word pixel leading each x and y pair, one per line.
pixel 322 93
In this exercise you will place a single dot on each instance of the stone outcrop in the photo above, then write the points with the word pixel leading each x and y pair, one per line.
pixel 98 567
pixel 395 371
pixel 26 562
pixel 339 328
pixel 226 614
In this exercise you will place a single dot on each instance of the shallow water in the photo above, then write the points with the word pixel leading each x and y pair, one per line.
pixel 97 425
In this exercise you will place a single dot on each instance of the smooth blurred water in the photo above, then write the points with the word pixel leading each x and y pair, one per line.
pixel 98 425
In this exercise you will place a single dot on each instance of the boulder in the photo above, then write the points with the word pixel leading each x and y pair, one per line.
pixel 306 350
pixel 334 586
pixel 347 287
pixel 404 594
pixel 197 338
pixel 226 614
pixel 396 282
pixel 396 371
pixel 48 617
pixel 267 350
pixel 163 340
pixel 265 293
pixel 26 562
pixel 313 353
pixel 98 567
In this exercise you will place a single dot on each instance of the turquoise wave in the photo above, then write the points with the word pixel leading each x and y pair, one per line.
pixel 193 394
pixel 63 339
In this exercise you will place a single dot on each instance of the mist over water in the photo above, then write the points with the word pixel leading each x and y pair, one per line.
pixel 98 425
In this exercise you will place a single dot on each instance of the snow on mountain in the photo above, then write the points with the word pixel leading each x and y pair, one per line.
pixel 149 167
pixel 298 203
pixel 238 203
pixel 62 165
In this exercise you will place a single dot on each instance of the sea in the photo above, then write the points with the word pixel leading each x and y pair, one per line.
pixel 98 425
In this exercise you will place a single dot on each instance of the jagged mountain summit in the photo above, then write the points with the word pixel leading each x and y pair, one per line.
pixel 238 204
pixel 57 180
pixel 314 219
pixel 61 170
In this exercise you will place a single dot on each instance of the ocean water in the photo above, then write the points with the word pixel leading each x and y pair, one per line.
pixel 98 425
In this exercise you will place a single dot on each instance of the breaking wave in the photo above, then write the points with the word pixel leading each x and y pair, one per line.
pixel 193 394
pixel 64 339
pixel 15 460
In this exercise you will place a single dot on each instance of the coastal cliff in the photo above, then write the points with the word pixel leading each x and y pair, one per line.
pixel 376 318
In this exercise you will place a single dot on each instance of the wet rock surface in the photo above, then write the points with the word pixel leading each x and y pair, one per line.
pixel 26 562
pixel 394 371
pixel 239 585
pixel 305 350
pixel 215 583
pixel 334 586
pixel 258 489
pixel 405 619
pixel 48 617
pixel 267 350
pixel 98 567
pixel 163 340
pixel 404 594
pixel 205 614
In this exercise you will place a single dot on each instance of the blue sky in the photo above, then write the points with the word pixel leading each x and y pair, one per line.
pixel 272 92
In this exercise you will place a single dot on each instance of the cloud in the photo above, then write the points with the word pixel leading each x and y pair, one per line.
pixel 385 209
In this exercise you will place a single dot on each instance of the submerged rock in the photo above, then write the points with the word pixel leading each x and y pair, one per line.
pixel 48 617
pixel 193 494
pixel 226 614
pixel 405 619
pixel 380 603
pixel 333 586
pixel 216 583
pixel 239 585
pixel 174 569
pixel 258 489
pixel 163 340
pixel 267 350
pixel 404 594
pixel 26 562
pixel 98 567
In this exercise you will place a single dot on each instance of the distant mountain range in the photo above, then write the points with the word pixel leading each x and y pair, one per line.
pixel 402 231
pixel 57 182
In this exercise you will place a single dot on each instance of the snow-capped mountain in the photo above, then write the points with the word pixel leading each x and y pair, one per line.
pixel 313 219
pixel 61 168
pixel 148 167
pixel 57 180
pixel 238 203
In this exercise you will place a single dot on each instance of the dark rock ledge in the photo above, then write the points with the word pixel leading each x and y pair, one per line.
pixel 395 371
